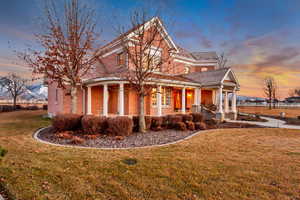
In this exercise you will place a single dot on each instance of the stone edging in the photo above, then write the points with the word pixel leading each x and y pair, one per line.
pixel 35 136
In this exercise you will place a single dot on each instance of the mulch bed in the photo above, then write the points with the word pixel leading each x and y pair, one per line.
pixel 136 139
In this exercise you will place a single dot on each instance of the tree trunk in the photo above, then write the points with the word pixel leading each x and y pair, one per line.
pixel 14 102
pixel 73 99
pixel 142 124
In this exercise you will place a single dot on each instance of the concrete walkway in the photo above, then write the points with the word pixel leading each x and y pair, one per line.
pixel 274 123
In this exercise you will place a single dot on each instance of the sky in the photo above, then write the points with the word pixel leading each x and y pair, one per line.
pixel 259 37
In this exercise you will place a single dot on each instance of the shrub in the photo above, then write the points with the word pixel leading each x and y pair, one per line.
pixel 67 122
pixel 3 152
pixel 173 120
pixel 76 140
pixel 18 107
pixel 165 122
pixel 6 108
pixel 32 108
pixel 180 126
pixel 136 123
pixel 45 107
pixel 197 117
pixel 93 124
pixel 298 117
pixel 119 126
pixel 91 137
pixel 156 123
pixel 190 125
pixel 200 126
pixel 187 118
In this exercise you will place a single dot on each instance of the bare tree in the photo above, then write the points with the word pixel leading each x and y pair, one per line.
pixel 144 50
pixel 222 60
pixel 67 45
pixel 14 85
pixel 270 89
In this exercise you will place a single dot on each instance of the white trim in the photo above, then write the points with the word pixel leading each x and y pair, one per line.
pixel 89 101
pixel 105 99
pixel 195 63
pixel 118 50
pixel 121 99
pixel 158 100
pixel 183 103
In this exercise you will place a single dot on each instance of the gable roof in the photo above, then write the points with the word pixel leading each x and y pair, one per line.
pixel 130 32
pixel 212 77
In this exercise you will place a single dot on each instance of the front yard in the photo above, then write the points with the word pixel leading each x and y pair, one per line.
pixel 289 112
pixel 219 164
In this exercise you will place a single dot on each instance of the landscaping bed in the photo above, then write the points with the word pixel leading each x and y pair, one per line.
pixel 135 139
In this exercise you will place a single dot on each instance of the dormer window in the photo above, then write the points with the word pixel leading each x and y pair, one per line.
pixel 186 70
pixel 121 59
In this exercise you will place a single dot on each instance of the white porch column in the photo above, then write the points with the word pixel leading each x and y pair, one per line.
pixel 183 100
pixel 226 103
pixel 196 96
pixel 89 100
pixel 216 102
pixel 233 101
pixel 83 101
pixel 158 100
pixel 105 100
pixel 121 99
pixel 199 97
pixel 220 99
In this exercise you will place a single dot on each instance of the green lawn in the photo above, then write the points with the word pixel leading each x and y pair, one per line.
pixel 220 164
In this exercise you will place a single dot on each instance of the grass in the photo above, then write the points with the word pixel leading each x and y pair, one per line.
pixel 289 111
pixel 219 164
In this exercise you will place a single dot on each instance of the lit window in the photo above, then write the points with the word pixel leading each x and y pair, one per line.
pixel 121 59
pixel 203 69
pixel 153 96
pixel 166 96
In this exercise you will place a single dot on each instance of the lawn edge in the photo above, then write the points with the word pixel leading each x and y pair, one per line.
pixel 36 133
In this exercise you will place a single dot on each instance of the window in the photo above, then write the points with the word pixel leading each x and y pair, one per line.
pixel 56 95
pixel 186 70
pixel 166 96
pixel 121 58
pixel 153 96
pixel 203 69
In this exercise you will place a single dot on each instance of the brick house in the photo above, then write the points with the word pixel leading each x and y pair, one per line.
pixel 189 80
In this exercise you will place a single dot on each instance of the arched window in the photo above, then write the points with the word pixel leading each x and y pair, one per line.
pixel 186 69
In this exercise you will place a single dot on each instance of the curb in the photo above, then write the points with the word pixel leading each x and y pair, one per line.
pixel 35 136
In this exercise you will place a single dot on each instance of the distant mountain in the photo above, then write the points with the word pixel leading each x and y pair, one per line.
pixel 247 98
pixel 33 92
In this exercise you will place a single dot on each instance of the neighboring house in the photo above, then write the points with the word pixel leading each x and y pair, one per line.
pixel 188 79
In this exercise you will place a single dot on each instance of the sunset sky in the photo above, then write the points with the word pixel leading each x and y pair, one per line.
pixel 260 37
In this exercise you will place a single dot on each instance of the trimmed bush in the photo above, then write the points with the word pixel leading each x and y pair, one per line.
pixel 136 126
pixel 65 135
pixel 32 108
pixel 67 122
pixel 119 126
pixel 165 122
pixel 156 123
pixel 190 125
pixel 197 117
pixel 6 108
pixel 173 120
pixel 187 118
pixel 180 126
pixel 200 126
pixel 93 124
pixel 45 107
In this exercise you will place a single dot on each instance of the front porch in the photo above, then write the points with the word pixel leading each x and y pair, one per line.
pixel 118 98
